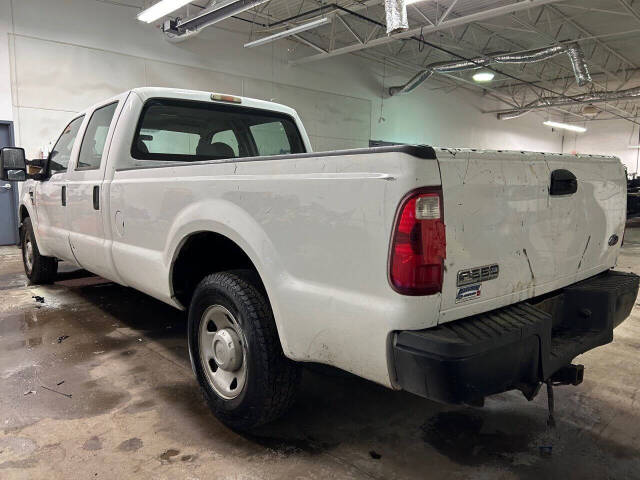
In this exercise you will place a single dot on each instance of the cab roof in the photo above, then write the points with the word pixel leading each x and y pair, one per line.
pixel 146 93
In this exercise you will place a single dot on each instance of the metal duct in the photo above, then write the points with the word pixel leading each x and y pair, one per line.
pixel 579 64
pixel 396 11
pixel 595 97
pixel 575 53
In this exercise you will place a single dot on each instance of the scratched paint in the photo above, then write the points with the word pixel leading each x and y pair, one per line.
pixel 498 210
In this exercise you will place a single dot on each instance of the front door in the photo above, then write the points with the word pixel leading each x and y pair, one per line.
pixel 85 198
pixel 8 197
pixel 52 195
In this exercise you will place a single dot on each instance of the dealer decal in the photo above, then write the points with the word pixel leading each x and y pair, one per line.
pixel 467 293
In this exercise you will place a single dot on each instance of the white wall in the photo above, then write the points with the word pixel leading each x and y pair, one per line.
pixel 435 118
pixel 68 54
pixel 607 137
pixel 6 110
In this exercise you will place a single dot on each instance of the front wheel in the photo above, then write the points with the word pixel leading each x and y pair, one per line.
pixel 38 268
pixel 235 351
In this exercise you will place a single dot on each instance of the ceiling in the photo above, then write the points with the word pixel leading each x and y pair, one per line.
pixel 441 30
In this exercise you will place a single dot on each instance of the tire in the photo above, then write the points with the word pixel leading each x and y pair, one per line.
pixel 38 268
pixel 231 324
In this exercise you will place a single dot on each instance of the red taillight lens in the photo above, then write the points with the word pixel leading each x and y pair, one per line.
pixel 419 245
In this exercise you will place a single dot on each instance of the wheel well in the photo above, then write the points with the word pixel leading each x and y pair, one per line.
pixel 201 254
pixel 24 213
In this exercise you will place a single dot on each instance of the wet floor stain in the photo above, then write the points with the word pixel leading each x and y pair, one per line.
pixel 287 446
pixel 149 387
pixel 14 447
pixel 168 455
pixel 130 445
pixel 13 280
pixel 22 344
pixel 92 444
pixel 464 437
pixel 137 407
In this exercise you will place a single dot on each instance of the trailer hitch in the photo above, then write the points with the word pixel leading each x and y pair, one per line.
pixel 569 375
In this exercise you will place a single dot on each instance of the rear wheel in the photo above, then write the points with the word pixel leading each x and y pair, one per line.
pixel 38 268
pixel 235 351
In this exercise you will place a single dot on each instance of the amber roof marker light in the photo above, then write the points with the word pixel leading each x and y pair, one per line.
pixel 225 98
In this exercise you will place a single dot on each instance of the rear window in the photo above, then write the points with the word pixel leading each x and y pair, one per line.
pixel 270 138
pixel 178 130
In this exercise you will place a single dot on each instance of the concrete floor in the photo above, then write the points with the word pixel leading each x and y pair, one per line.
pixel 128 405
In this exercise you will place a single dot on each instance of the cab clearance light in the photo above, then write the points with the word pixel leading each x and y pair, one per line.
pixel 225 98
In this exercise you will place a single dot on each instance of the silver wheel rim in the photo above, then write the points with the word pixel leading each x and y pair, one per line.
pixel 222 352
pixel 28 254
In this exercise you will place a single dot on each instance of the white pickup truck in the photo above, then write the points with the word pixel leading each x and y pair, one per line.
pixel 450 273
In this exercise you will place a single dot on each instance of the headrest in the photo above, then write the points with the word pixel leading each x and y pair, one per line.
pixel 215 150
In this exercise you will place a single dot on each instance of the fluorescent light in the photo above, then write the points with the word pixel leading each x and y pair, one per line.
pixel 565 126
pixel 161 9
pixel 482 77
pixel 287 33
pixel 634 146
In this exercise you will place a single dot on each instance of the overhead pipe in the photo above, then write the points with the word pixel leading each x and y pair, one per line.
pixel 588 98
pixel 216 11
pixel 573 50
pixel 171 33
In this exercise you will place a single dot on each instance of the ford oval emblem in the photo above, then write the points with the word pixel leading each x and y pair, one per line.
pixel 613 239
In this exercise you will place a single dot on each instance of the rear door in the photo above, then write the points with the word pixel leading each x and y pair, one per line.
pixel 51 194
pixel 85 199
pixel 511 236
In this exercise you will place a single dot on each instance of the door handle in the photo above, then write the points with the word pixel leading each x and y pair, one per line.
pixel 96 197
pixel 563 182
pixel 7 186
pixel 64 196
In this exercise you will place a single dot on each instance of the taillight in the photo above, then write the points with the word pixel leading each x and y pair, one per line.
pixel 419 245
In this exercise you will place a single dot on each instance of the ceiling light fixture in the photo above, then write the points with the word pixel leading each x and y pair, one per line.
pixel 287 33
pixel 634 146
pixel 483 77
pixel 161 9
pixel 220 11
pixel 565 126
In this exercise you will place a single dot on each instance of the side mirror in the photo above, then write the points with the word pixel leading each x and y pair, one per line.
pixel 13 166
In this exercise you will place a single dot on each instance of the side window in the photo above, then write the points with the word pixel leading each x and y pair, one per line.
pixel 271 138
pixel 61 153
pixel 228 138
pixel 95 138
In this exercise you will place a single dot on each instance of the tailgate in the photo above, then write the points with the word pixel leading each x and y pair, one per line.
pixel 500 215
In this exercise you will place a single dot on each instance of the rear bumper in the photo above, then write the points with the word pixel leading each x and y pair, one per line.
pixel 516 347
